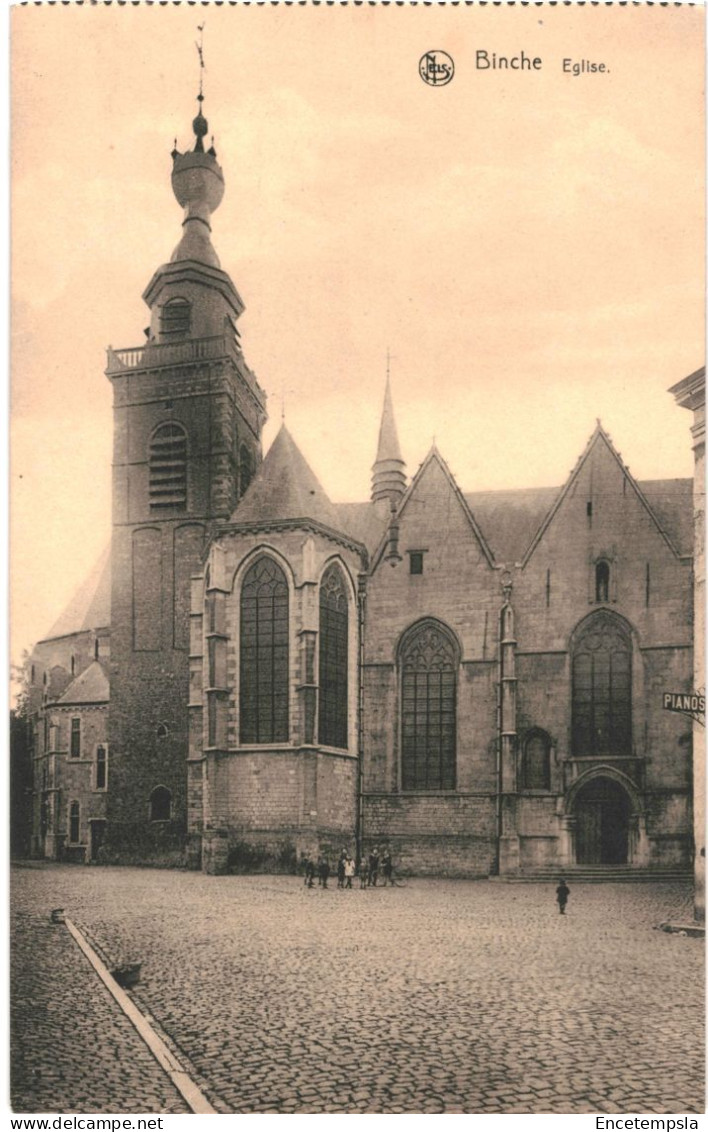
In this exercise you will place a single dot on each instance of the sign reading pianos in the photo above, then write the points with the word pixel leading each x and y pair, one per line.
pixel 688 703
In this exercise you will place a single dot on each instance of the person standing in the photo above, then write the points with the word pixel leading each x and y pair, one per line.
pixel 341 868
pixel 348 871
pixel 387 867
pixel 373 867
pixel 363 872
pixel 562 894
pixel 323 871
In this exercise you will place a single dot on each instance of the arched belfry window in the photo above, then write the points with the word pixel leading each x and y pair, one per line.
pixel 602 580
pixel 602 689
pixel 334 657
pixel 536 762
pixel 175 319
pixel 168 468
pixel 264 654
pixel 428 661
pixel 246 469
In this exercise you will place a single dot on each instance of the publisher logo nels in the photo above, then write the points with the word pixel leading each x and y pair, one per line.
pixel 436 68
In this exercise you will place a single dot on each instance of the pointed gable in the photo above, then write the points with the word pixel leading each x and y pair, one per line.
pixel 285 487
pixel 602 441
pixel 434 466
pixel 90 687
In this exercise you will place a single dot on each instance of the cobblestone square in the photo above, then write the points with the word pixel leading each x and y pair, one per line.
pixel 437 996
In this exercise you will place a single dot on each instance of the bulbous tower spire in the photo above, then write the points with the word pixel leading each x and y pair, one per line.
pixel 198 185
pixel 191 296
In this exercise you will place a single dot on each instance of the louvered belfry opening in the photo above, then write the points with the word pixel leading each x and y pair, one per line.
pixel 168 468
pixel 175 320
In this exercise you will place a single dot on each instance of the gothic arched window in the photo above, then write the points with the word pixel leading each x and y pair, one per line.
pixel 160 804
pixel 264 683
pixel 536 762
pixel 428 661
pixel 602 689
pixel 334 657
pixel 175 319
pixel 168 468
pixel 602 580
pixel 246 469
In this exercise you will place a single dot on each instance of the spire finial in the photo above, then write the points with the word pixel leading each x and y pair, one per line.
pixel 200 124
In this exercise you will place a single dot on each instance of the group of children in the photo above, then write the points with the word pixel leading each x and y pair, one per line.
pixel 378 861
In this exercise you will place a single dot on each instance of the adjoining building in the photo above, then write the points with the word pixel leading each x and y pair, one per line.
pixel 473 679
pixel 691 394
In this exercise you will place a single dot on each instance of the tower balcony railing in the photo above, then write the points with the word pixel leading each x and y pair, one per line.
pixel 156 355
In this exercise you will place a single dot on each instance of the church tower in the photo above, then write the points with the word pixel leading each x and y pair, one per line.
pixel 188 417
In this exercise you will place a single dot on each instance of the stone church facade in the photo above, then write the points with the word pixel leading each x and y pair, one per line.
pixel 256 673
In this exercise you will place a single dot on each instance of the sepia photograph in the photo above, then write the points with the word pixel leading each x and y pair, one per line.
pixel 357 567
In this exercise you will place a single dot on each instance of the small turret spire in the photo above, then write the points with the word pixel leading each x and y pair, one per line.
pixel 389 477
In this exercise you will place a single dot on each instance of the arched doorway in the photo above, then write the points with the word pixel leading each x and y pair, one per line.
pixel 602 822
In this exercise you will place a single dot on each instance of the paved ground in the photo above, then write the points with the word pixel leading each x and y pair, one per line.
pixel 447 996
pixel 72 1049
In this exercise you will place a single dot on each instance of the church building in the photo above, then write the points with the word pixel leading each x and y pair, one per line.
pixel 255 673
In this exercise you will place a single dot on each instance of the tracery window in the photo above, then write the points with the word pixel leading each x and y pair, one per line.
pixel 160 804
pixel 168 468
pixel 428 662
pixel 536 762
pixel 264 654
pixel 334 657
pixel 602 689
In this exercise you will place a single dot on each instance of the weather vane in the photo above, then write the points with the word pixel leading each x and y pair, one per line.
pixel 200 52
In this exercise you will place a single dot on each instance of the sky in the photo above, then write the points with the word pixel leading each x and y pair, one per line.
pixel 528 245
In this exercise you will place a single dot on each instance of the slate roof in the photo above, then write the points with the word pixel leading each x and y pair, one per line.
pixel 91 687
pixel 90 607
pixel 672 503
pixel 388 446
pixel 285 487
pixel 509 519
pixel 363 522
